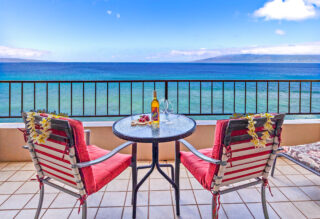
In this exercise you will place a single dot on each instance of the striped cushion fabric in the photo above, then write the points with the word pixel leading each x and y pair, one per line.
pixel 246 160
pixel 56 162
pixel 54 158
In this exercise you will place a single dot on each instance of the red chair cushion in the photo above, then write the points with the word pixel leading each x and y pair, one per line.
pixel 92 175
pixel 82 154
pixel 96 176
pixel 197 167
pixel 106 171
pixel 216 151
pixel 200 169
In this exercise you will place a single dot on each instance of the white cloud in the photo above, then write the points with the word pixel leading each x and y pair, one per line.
pixel 279 32
pixel 118 15
pixel 294 49
pixel 109 12
pixel 20 52
pixel 288 9
pixel 315 2
pixel 200 52
pixel 312 48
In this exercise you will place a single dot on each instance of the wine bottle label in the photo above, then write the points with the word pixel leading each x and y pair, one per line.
pixel 155 113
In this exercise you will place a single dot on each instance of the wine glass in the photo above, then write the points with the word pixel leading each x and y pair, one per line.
pixel 166 108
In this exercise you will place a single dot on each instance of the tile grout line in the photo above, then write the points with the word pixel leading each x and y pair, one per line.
pixel 34 194
pixel 126 196
pixel 244 201
pixel 46 209
pixel 171 195
pixel 99 206
pixel 294 201
pixel 10 195
pixel 285 175
pixel 197 204
pixel 194 196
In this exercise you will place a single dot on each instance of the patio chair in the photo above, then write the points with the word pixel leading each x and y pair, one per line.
pixel 233 159
pixel 67 158
pixel 306 156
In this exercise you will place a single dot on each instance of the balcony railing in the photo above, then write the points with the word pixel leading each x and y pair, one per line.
pixel 189 97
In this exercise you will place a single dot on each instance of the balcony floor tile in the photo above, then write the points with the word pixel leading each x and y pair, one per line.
pixel 21 176
pixel 57 213
pixel 189 212
pixel 114 212
pixel 142 213
pixel 33 203
pixel 312 191
pixel 287 210
pixel 309 209
pixel 235 211
pixel 160 212
pixel 160 198
pixel 16 202
pixel 113 199
pixel 296 195
pixel 28 213
pixel 8 214
pixel 206 212
pixel 256 210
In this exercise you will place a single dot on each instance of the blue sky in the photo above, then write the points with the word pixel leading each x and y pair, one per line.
pixel 156 30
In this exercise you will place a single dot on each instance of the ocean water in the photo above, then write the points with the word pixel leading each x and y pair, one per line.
pixel 156 71
pixel 208 98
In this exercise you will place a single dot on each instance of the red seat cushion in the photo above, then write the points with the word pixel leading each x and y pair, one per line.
pixel 200 169
pixel 197 167
pixel 106 171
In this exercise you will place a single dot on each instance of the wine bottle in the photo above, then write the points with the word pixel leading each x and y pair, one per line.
pixel 155 116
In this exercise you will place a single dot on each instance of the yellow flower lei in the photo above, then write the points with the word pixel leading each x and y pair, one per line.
pixel 41 135
pixel 252 130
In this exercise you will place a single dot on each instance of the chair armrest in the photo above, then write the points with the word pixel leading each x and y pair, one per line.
pixel 87 133
pixel 279 149
pixel 105 157
pixel 198 154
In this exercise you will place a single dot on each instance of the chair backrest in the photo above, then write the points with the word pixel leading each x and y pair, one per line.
pixel 242 160
pixel 57 156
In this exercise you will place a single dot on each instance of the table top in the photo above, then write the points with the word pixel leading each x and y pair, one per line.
pixel 172 127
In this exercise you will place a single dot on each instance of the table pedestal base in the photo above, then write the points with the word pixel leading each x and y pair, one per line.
pixel 155 163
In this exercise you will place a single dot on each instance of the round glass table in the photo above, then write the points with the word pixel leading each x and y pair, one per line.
pixel 172 128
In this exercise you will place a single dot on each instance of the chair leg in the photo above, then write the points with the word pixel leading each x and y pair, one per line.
pixel 40 202
pixel 274 165
pixel 84 210
pixel 214 205
pixel 177 177
pixel 263 200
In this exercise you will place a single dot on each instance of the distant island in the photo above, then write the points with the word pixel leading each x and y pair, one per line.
pixel 17 60
pixel 252 58
pixel 237 58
